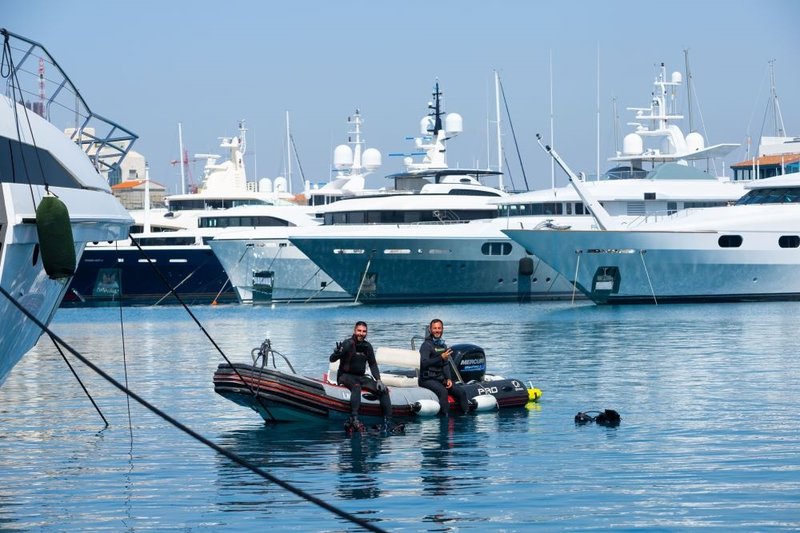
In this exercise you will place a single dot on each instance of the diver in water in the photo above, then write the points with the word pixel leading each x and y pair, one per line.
pixel 354 355
pixel 434 369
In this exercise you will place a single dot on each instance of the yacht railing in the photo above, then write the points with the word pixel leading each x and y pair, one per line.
pixel 34 79
pixel 659 215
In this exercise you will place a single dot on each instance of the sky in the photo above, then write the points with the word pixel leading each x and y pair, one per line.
pixel 150 65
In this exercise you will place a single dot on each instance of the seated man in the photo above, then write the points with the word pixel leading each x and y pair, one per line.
pixel 434 370
pixel 354 354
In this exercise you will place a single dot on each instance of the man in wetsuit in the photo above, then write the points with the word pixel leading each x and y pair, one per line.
pixel 434 369
pixel 354 355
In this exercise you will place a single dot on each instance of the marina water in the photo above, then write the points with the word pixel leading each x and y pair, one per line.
pixel 709 436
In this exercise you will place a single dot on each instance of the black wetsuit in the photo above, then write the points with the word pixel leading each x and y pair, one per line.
pixel 434 373
pixel 355 357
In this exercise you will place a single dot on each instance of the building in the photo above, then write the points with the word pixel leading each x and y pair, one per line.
pixel 131 193
pixel 776 156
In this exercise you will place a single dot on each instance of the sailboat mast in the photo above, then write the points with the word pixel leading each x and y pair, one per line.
pixel 688 89
pixel 180 158
pixel 776 108
pixel 497 116
pixel 597 167
pixel 552 132
pixel 288 154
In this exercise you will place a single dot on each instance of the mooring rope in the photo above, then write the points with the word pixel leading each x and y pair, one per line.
pixel 85 390
pixel 219 449
pixel 196 321
pixel 363 278
pixel 646 273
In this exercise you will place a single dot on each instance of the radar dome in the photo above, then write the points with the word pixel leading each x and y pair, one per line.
pixel 453 123
pixel 695 142
pixel 426 125
pixel 265 185
pixel 342 156
pixel 371 159
pixel 632 144
pixel 677 77
pixel 280 184
pixel 408 161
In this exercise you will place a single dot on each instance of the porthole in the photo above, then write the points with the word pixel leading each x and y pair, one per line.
pixel 730 241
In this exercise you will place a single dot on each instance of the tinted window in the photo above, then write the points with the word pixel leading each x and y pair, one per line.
pixel 730 241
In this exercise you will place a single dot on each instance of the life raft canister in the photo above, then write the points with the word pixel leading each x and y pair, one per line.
pixel 56 243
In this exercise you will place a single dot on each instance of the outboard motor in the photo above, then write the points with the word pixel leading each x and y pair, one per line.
pixel 470 361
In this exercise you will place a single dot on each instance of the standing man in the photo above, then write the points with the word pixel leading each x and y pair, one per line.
pixel 354 355
pixel 434 369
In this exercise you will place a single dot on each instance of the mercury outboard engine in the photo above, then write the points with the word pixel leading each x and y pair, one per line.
pixel 470 361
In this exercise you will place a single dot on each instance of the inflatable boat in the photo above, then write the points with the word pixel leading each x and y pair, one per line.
pixel 280 396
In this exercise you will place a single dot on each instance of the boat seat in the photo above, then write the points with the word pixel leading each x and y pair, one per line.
pixel 406 362
pixel 397 358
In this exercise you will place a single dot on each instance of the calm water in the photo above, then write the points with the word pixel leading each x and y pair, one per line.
pixel 709 437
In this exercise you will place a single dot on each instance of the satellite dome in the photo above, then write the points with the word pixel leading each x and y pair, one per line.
pixel 632 144
pixel 695 142
pixel 677 77
pixel 453 123
pixel 342 157
pixel 265 185
pixel 426 125
pixel 280 184
pixel 371 159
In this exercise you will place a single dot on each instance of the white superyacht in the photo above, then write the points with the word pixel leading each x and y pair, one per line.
pixel 40 165
pixel 472 260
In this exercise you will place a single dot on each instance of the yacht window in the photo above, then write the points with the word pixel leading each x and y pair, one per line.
pixel 496 248
pixel 730 241
pixel 774 195
pixel 240 221
pixel 672 207
pixel 348 251
pixel 687 205
pixel 569 208
pixel 579 209
pixel 789 241
pixel 165 241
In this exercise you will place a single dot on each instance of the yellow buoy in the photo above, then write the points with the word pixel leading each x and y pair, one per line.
pixel 56 244
pixel 534 394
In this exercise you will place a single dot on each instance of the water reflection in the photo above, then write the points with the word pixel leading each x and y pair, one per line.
pixel 358 467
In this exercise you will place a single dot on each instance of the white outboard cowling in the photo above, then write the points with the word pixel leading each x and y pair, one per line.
pixel 426 407
pixel 485 402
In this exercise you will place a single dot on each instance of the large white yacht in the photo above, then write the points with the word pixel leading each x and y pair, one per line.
pixel 427 192
pixel 39 163
pixel 474 261
pixel 743 252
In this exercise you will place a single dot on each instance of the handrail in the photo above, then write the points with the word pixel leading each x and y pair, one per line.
pixel 39 83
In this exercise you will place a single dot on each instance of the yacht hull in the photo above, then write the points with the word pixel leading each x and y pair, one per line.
pixel 404 269
pixel 273 270
pixel 110 276
pixel 621 267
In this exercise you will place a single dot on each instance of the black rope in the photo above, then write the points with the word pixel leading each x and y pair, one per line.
pixel 219 449
pixel 85 390
pixel 508 172
pixel 196 321
pixel 514 135
pixel 124 351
